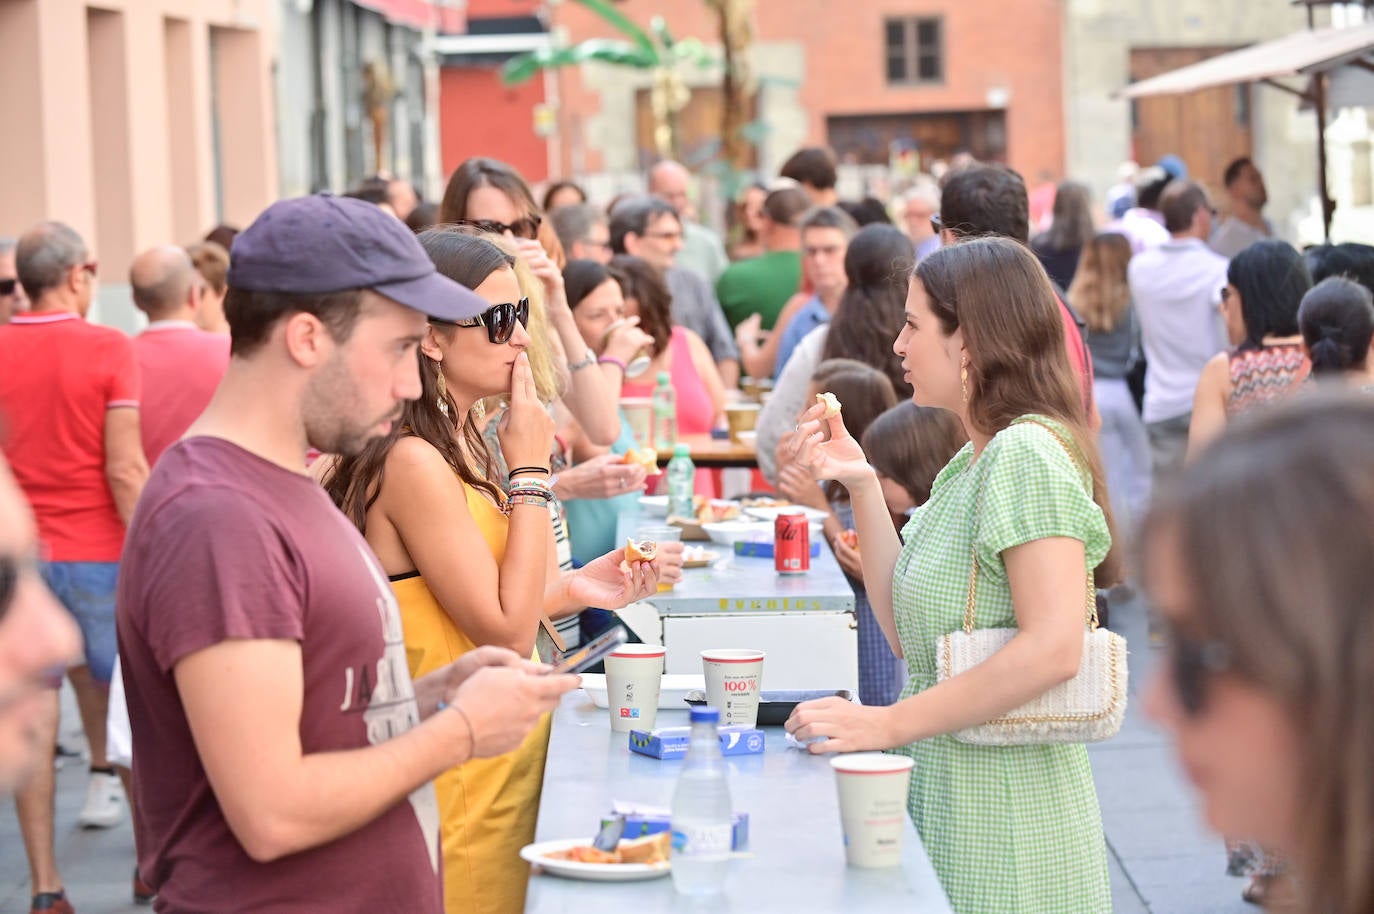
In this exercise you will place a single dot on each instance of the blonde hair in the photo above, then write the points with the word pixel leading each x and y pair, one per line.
pixel 1099 292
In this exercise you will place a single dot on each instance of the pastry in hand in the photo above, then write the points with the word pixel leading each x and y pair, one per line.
pixel 646 457
pixel 643 551
pixel 850 538
pixel 832 405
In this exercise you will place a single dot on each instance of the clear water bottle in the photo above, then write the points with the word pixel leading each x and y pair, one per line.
pixel 682 483
pixel 702 819
pixel 665 412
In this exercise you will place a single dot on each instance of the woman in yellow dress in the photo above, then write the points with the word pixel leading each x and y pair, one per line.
pixel 470 566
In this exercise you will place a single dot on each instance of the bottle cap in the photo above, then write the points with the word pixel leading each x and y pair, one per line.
pixel 664 379
pixel 703 713
pixel 682 450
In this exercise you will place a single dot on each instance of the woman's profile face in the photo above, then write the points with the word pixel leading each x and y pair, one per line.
pixel 1231 314
pixel 753 209
pixel 1240 748
pixel 930 360
pixel 473 364
pixel 594 315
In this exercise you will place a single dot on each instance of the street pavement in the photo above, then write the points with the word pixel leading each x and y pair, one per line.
pixel 1162 859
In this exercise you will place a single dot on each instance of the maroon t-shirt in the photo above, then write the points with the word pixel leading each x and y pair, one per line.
pixel 225 544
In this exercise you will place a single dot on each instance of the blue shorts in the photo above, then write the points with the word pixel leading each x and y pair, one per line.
pixel 87 590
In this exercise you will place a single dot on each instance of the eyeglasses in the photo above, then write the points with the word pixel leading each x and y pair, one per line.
pixel 528 227
pixel 7 287
pixel 1191 662
pixel 499 320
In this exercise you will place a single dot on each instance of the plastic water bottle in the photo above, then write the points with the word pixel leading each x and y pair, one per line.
pixel 703 824
pixel 665 412
pixel 682 483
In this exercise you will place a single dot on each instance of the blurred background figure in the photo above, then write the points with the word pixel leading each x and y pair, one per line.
pixel 1244 223
pixel 584 232
pixel 12 299
pixel 1337 320
pixel 745 223
pixel 813 167
pixel 702 250
pixel 211 260
pixel 561 194
pixel 1071 227
pixel 919 207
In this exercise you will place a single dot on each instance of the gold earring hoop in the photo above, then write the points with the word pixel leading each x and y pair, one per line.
pixel 441 388
pixel 963 380
pixel 479 412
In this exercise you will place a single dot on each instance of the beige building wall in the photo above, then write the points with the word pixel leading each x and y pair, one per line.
pixel 147 122
pixel 1099 35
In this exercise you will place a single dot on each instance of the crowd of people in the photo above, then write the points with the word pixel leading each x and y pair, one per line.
pixel 306 545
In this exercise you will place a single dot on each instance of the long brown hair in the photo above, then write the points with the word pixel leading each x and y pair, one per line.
pixel 1282 581
pixel 877 269
pixel 1099 292
pixel 483 172
pixel 354 483
pixel 865 392
pixel 997 292
pixel 644 282
pixel 911 444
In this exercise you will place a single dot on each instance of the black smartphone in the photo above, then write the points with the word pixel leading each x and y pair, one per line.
pixel 589 653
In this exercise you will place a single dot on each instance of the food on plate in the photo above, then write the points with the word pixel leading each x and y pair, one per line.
pixel 851 539
pixel 764 501
pixel 642 551
pixel 651 849
pixel 646 457
pixel 832 405
pixel 713 512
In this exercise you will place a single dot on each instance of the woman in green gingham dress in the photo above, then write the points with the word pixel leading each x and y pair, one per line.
pixel 1010 830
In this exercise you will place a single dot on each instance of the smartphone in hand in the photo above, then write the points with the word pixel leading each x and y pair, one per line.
pixel 588 654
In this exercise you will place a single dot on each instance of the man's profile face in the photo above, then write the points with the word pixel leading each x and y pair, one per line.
pixel 672 185
pixel 823 252
pixel 1249 186
pixel 358 392
pixel 596 246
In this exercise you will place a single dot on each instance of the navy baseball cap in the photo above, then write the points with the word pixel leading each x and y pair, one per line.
pixel 320 244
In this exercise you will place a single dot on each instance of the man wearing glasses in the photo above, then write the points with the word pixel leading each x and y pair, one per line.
pixel 12 300
pixel 69 394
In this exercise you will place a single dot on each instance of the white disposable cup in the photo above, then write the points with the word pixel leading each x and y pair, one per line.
pixel 634 674
pixel 873 792
pixel 733 679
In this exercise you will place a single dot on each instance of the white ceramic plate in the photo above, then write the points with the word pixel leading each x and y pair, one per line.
pixel 729 532
pixel 654 505
pixel 672 692
pixel 769 514
pixel 593 872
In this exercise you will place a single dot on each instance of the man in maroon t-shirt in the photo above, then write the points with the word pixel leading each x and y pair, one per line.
pixel 283 754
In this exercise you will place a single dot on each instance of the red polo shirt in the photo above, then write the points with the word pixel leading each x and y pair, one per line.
pixel 58 377
pixel 181 366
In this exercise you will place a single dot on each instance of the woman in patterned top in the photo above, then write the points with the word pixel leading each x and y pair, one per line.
pixel 1016 828
pixel 1265 284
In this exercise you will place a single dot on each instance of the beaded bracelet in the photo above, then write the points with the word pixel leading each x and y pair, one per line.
pixel 612 360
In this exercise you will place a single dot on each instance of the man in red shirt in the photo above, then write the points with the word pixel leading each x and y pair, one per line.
pixel 992 200
pixel 181 364
pixel 69 395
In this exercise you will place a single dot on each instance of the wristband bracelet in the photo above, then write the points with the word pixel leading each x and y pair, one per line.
pixel 586 362
pixel 472 736
pixel 529 485
pixel 612 360
pixel 539 501
pixel 531 469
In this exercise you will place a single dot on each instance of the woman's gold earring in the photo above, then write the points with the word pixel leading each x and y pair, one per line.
pixel 963 380
pixel 479 412
pixel 441 387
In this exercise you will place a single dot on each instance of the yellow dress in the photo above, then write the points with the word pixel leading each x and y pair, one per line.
pixel 487 807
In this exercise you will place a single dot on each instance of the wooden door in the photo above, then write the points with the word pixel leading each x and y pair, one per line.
pixel 1207 129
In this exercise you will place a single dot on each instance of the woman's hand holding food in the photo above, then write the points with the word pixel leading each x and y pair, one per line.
pixel 840 458
pixel 612 581
pixel 626 340
pixel 602 476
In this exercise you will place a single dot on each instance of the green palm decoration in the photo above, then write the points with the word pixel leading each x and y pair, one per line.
pixel 654 50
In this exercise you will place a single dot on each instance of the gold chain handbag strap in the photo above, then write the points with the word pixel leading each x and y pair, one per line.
pixel 969 605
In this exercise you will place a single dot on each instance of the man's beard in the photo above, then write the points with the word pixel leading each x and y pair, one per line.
pixel 329 414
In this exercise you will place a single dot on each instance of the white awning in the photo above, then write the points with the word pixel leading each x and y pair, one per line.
pixel 1299 54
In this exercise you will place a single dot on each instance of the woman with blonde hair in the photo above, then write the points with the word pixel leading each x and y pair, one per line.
pixel 1257 557
pixel 469 564
pixel 1022 511
pixel 1102 298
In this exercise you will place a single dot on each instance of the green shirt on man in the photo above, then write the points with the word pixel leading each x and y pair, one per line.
pixel 759 285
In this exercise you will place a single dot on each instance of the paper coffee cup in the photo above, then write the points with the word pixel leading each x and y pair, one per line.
pixel 741 417
pixel 733 680
pixel 873 793
pixel 634 673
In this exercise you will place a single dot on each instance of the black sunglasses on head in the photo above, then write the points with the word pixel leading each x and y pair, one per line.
pixel 528 227
pixel 7 287
pixel 499 320
pixel 1191 662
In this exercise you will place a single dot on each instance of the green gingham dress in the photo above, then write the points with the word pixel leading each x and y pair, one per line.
pixel 1016 829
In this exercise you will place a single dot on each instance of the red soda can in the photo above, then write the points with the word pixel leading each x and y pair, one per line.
pixel 791 544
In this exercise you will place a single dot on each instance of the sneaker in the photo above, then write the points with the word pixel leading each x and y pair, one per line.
pixel 103 808
pixel 143 892
pixel 51 903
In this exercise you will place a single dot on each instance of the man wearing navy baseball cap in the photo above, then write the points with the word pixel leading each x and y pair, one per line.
pixel 282 754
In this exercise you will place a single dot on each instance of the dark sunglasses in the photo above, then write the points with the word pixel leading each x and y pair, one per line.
pixel 499 320
pixel 7 287
pixel 528 227
pixel 1192 661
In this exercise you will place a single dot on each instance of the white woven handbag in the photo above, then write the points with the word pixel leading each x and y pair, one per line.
pixel 1088 708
